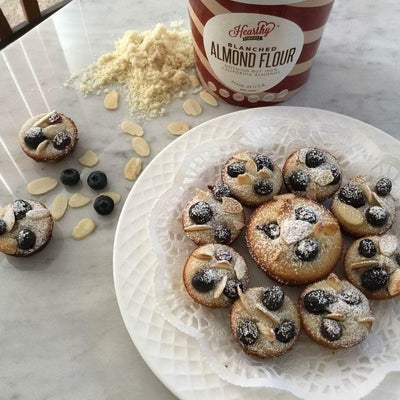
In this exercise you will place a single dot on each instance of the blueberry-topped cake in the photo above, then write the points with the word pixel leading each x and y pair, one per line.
pixel 364 208
pixel 312 173
pixel 26 227
pixel 213 273
pixel 294 240
pixel 252 178
pixel 265 322
pixel 213 216
pixel 334 313
pixel 48 137
pixel 373 265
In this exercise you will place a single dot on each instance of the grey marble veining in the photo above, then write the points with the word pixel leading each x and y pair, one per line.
pixel 61 333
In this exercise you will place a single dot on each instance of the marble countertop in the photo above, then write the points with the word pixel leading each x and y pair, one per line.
pixel 61 332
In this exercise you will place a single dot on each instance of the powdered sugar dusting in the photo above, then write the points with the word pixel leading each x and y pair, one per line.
pixel 294 230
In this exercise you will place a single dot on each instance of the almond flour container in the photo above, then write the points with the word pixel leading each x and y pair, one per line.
pixel 254 53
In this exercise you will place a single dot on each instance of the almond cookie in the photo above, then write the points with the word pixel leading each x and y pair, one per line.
pixel 294 240
pixel 253 178
pixel 265 322
pixel 334 313
pixel 48 137
pixel 312 173
pixel 213 273
pixel 373 265
pixel 212 217
pixel 363 208
pixel 26 227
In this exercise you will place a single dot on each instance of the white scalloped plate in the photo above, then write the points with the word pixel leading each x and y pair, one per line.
pixel 175 357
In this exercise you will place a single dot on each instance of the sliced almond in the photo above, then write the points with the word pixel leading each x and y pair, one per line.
pixel 325 229
pixel 208 98
pixel 230 205
pixel 44 120
pixel 9 219
pixel 292 231
pixel 116 197
pixel 51 131
pixel 59 207
pixel 8 245
pixel 194 81
pixel 41 185
pixel 131 128
pixel 111 100
pixel 367 192
pixel 333 281
pixel 267 331
pixel 251 167
pixel 265 173
pixel 324 178
pixel 394 283
pixel 132 168
pixel 245 179
pixel 242 156
pixel 387 245
pixel 195 228
pixel 349 214
pixel 267 314
pixel 89 159
pixel 192 107
pixel 178 128
pixel 238 225
pixel 202 255
pixel 37 214
pixel 77 200
pixel 141 146
pixel 362 264
pixel 336 317
pixel 367 321
pixel 223 265
pixel 41 146
pixel 83 229
pixel 220 287
pixel 377 201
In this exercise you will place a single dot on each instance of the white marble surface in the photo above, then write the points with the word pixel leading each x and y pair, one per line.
pixel 61 333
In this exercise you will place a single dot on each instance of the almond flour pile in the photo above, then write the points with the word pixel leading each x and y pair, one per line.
pixel 151 65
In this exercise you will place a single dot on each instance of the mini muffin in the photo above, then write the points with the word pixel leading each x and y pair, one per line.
pixel 26 227
pixel 265 322
pixel 294 240
pixel 373 265
pixel 213 273
pixel 334 313
pixel 312 173
pixel 253 178
pixel 212 217
pixel 48 137
pixel 363 208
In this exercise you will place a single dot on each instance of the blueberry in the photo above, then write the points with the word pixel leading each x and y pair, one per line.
pixel 223 255
pixel 350 297
pixel 97 180
pixel 285 332
pixel 55 118
pixel 273 298
pixel 205 280
pixel 376 216
pixel 262 161
pixel 3 226
pixel 305 214
pixel 317 301
pixel 103 205
pixel 383 186
pixel 222 234
pixel 352 195
pixel 331 329
pixel 247 332
pixel 34 137
pixel 271 229
pixel 366 248
pixel 235 169
pixel 263 187
pixel 374 278
pixel 221 190
pixel 200 212
pixel 61 140
pixel 298 180
pixel 314 158
pixel 26 239
pixel 306 249
pixel 70 177
pixel 20 208
pixel 231 288
pixel 335 172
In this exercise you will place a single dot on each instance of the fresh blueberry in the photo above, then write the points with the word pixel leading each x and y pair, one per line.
pixel 331 329
pixel 235 169
pixel 305 214
pixel 306 249
pixel 34 137
pixel 222 234
pixel 350 297
pixel 263 187
pixel 367 248
pixel 231 288
pixel 383 186
pixel 247 332
pixel 61 140
pixel 298 180
pixel 376 216
pixel 352 195
pixel 103 205
pixel 285 332
pixel 221 190
pixel 273 298
pixel 3 226
pixel 223 255
pixel 55 118
pixel 317 301
pixel 271 229
pixel 314 158
pixel 20 208
pixel 97 180
pixel 26 239
pixel 374 278
pixel 262 161
pixel 335 172
pixel 70 177
pixel 205 280
pixel 200 212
